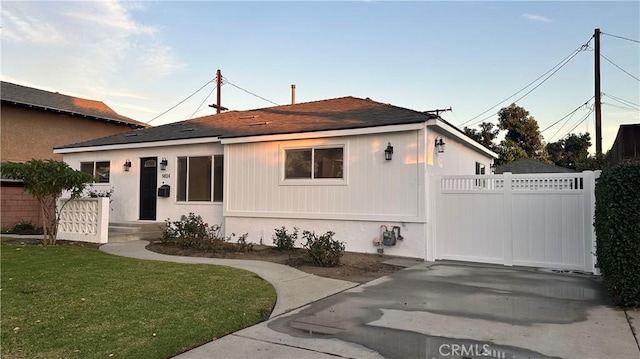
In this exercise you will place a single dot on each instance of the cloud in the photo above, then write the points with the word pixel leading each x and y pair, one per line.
pixel 20 27
pixel 92 42
pixel 161 59
pixel 537 18
pixel 111 15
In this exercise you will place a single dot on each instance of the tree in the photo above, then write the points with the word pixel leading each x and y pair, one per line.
pixel 484 136
pixel 509 151
pixel 523 139
pixel 596 162
pixel 46 181
pixel 570 151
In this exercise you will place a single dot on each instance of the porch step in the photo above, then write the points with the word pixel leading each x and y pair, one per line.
pixel 131 231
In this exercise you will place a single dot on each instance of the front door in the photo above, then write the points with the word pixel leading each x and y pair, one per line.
pixel 148 184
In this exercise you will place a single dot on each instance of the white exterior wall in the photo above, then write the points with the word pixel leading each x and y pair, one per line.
pixel 126 185
pixel 375 192
pixel 357 235
pixel 373 188
pixel 457 158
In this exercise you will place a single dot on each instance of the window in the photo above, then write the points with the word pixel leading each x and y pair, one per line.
pixel 99 170
pixel 480 183
pixel 200 179
pixel 311 163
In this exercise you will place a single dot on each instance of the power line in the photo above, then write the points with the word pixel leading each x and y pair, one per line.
pixel 191 116
pixel 203 101
pixel 454 115
pixel 578 124
pixel 567 115
pixel 561 64
pixel 226 81
pixel 567 121
pixel 538 85
pixel 619 68
pixel 621 37
pixel 561 127
pixel 620 99
pixel 625 107
pixel 180 103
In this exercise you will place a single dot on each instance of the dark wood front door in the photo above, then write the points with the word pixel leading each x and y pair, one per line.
pixel 148 184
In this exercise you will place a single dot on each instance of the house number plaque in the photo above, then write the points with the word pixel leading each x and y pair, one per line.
pixel 166 175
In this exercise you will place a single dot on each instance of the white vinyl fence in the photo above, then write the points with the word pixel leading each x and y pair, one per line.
pixel 85 219
pixel 538 220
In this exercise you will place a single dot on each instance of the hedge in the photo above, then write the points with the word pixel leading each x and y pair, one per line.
pixel 617 226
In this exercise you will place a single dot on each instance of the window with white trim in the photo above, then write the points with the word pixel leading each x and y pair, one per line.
pixel 314 163
pixel 200 179
pixel 99 170
pixel 480 170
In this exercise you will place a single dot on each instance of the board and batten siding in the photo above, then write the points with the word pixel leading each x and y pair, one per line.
pixel 373 188
pixel 374 192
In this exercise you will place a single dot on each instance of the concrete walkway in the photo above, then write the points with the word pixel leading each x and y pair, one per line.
pixel 294 288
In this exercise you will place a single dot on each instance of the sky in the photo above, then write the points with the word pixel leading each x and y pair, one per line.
pixel 142 58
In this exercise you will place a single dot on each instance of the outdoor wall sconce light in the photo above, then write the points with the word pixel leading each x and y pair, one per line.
pixel 439 144
pixel 163 164
pixel 388 153
pixel 127 165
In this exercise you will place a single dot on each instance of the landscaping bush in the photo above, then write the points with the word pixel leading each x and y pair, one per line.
pixel 323 251
pixel 283 240
pixel 617 227
pixel 191 232
pixel 242 244
pixel 24 227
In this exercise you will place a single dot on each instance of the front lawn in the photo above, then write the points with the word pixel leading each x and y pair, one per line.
pixel 72 302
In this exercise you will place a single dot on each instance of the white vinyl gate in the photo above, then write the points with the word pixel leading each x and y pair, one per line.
pixel 537 220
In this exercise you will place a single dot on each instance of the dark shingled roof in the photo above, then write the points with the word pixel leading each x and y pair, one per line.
pixel 529 165
pixel 334 114
pixel 52 101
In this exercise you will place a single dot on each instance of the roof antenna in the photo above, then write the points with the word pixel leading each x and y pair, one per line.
pixel 438 111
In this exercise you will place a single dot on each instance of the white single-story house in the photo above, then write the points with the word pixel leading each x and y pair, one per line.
pixel 347 165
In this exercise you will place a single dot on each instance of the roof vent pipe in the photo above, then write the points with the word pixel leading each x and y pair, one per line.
pixel 293 94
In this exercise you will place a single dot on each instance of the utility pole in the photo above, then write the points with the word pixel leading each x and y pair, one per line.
pixel 598 104
pixel 217 105
pixel 219 85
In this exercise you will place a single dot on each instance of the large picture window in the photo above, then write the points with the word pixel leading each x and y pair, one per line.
pixel 312 163
pixel 200 179
pixel 99 170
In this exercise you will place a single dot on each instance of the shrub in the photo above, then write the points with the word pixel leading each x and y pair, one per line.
pixel 193 233
pixel 323 251
pixel 617 227
pixel 189 232
pixel 24 227
pixel 283 240
pixel 242 244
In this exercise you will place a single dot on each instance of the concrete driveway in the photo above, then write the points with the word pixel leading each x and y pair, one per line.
pixel 446 310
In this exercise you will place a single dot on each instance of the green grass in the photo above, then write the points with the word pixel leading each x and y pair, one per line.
pixel 72 302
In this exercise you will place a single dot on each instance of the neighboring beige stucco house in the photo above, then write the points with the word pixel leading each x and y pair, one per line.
pixel 33 122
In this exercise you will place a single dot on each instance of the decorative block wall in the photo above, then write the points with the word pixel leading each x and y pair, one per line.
pixel 85 219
